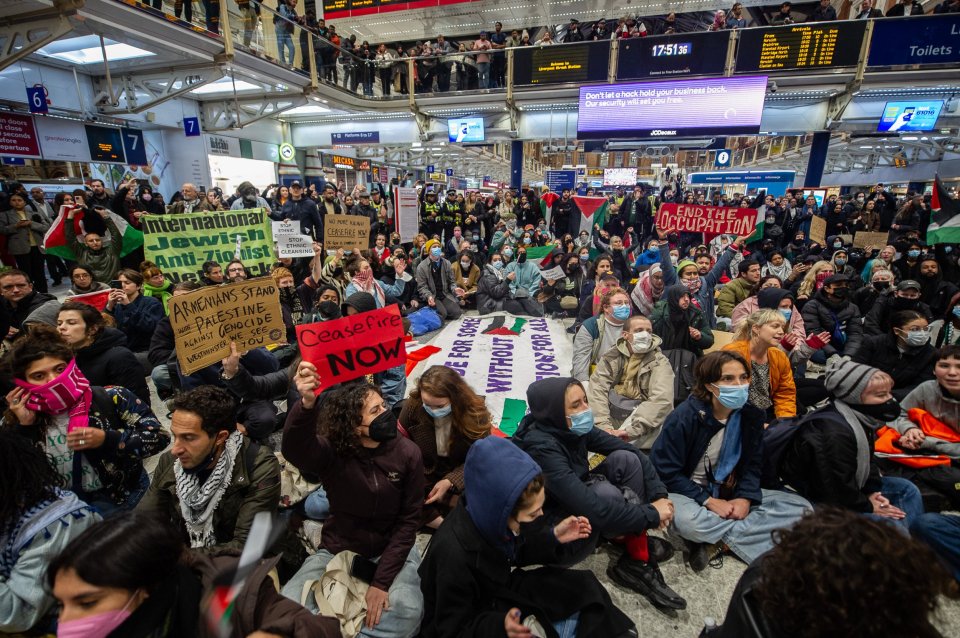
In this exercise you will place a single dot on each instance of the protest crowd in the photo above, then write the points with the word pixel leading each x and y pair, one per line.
pixel 227 425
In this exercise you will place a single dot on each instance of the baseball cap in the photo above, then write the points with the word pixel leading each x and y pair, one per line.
pixel 907 284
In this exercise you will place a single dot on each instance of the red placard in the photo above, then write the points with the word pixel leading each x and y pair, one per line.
pixel 354 346
pixel 709 220
pixel 18 136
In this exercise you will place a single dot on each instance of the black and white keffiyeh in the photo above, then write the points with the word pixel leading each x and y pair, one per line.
pixel 199 501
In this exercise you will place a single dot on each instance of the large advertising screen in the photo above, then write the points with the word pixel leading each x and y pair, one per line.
pixel 581 62
pixel 673 55
pixel 682 108
pixel 465 129
pixel 910 116
pixel 800 46
pixel 917 40
pixel 619 176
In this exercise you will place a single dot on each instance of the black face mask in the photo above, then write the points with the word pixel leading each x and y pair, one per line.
pixel 522 258
pixel 883 412
pixel 839 293
pixel 900 303
pixel 384 427
pixel 329 310
pixel 880 286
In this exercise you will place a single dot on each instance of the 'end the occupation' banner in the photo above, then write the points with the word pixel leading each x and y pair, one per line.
pixel 709 220
pixel 179 244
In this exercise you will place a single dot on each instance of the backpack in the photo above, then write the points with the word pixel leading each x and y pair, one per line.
pixel 779 435
pixel 682 362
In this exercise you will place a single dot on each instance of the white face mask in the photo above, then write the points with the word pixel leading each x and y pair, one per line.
pixel 642 340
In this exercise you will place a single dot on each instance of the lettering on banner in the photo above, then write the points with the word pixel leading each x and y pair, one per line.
pixel 709 220
pixel 205 321
pixel 458 358
pixel 294 246
pixel 500 371
pixel 350 232
pixel 354 346
pixel 545 362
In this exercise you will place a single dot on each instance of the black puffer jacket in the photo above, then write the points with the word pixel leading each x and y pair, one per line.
pixel 821 314
pixel 909 367
pixel 877 320
pixel 108 361
pixel 491 291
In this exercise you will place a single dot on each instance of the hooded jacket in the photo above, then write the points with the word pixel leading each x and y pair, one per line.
pixel 671 323
pixel 492 290
pixel 468 577
pixel 822 314
pixel 704 296
pixel 562 454
pixel 108 361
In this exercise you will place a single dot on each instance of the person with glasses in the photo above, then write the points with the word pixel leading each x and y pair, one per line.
pixel 904 352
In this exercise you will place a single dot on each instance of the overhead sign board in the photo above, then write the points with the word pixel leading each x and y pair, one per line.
pixel 917 40
pixel 105 144
pixel 800 46
pixel 673 55
pixel 18 137
pixel 340 161
pixel 37 99
pixel 576 63
pixel 724 158
pixel 356 137
pixel 742 177
pixel 557 181
pixel 133 146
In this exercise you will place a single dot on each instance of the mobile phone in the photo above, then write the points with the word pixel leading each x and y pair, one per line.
pixel 115 283
pixel 363 568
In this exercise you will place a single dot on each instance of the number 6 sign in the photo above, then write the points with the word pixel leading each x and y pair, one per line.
pixel 37 99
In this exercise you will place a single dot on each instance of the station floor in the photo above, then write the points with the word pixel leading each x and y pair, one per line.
pixel 707 593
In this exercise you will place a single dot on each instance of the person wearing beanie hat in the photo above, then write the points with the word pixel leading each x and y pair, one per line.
pixel 829 458
pixel 906 296
pixel 436 284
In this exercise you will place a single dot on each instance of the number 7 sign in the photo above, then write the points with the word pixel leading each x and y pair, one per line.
pixel 133 146
pixel 191 126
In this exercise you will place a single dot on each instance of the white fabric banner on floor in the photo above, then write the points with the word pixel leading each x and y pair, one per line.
pixel 500 355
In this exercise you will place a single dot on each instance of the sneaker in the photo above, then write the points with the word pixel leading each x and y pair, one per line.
pixel 647 580
pixel 661 550
pixel 703 554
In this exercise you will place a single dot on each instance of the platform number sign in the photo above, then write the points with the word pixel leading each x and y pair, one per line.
pixel 37 99
pixel 191 126
pixel 430 168
pixel 133 147
pixel 449 172
pixel 724 158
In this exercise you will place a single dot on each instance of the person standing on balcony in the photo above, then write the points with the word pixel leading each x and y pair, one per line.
pixel 308 24
pixel 444 63
pixel 283 25
pixel 250 12
pixel 498 62
pixel 483 59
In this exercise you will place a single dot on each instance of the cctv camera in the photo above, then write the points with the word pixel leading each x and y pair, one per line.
pixel 772 86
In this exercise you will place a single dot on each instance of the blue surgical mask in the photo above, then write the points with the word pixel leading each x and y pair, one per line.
pixel 507 253
pixel 621 313
pixel 439 412
pixel 435 251
pixel 913 254
pixel 956 311
pixel 948 249
pixel 840 262
pixel 497 264
pixel 584 257
pixel 582 422
pixel 786 312
pixel 526 240
pixel 733 396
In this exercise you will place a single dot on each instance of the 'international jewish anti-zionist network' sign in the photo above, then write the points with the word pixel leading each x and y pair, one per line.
pixel 500 356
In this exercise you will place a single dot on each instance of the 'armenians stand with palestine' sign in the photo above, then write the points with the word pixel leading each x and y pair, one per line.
pixel 179 244
pixel 709 220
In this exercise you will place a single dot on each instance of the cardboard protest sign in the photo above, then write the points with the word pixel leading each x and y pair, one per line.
pixel 354 346
pixel 553 274
pixel 709 220
pixel 294 246
pixel 350 232
pixel 179 244
pixel 864 238
pixel 284 228
pixel 205 321
pixel 818 230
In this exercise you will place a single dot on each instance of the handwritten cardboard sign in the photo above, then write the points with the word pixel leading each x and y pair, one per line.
pixel 294 246
pixel 818 230
pixel 205 321
pixel 350 232
pixel 354 346
pixel 864 238
pixel 709 220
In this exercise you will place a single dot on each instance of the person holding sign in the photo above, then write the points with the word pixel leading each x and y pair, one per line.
pixel 436 284
pixel 375 483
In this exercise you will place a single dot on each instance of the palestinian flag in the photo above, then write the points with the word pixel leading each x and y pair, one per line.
pixel 758 203
pixel 944 225
pixel 546 205
pixel 55 241
pixel 540 254
pixel 593 210
pixel 96 299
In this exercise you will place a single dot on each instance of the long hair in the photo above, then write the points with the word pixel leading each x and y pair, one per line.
pixel 807 286
pixel 341 416
pixel 470 415
pixel 29 477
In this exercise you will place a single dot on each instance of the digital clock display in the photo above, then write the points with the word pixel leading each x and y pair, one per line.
pixel 671 48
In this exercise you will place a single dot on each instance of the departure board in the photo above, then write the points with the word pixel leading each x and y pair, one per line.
pixel 558 64
pixel 801 46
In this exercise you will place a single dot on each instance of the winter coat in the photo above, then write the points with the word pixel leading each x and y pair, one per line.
pixel 427 287
pixel 105 262
pixel 376 498
pixel 704 297
pixel 664 328
pixel 731 295
pixel 562 454
pixel 783 390
pixel 253 488
pixel 683 442
pixel 471 576
pixel 469 281
pixel 305 211
pixel 108 361
pixel 820 314
pixel 138 320
pixel 877 320
pixel 162 344
pixel 492 290
pixel 655 379
pixel 37 307
pixel 909 367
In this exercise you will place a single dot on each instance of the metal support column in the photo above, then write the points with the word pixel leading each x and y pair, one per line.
pixel 817 159
pixel 516 164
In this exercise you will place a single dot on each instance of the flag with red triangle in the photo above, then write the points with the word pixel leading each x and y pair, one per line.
pixel 547 201
pixel 96 299
pixel 55 241
pixel 944 225
pixel 593 211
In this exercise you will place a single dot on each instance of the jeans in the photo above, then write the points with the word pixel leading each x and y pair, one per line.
pixel 747 538
pixel 393 384
pixel 317 505
pixel 161 379
pixel 567 628
pixel 106 506
pixel 942 533
pixel 484 69
pixel 903 494
pixel 285 42
pixel 401 620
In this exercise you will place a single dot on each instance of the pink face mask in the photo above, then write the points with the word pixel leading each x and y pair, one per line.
pixel 70 391
pixel 95 626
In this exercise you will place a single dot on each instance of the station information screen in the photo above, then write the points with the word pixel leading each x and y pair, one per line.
pixel 673 55
pixel 581 62
pixel 105 144
pixel 800 46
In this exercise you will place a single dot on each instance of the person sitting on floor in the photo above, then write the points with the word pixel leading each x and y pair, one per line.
pixel 632 388
pixel 709 453
pixel 600 333
pixel 904 352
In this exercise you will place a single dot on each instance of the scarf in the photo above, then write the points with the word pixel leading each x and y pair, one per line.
pixel 17 534
pixel 857 422
pixel 290 299
pixel 781 272
pixel 199 501
pixel 644 294
pixel 69 392
pixel 162 293
pixel 366 283
pixel 729 453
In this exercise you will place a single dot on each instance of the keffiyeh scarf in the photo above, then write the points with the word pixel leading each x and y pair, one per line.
pixel 199 501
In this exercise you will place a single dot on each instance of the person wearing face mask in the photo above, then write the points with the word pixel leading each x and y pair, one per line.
pixel 679 323
pixel 38 519
pixel 466 274
pixel 346 439
pixel 649 256
pixel 436 284
pixel 525 284
pixel 248 197
pixel 881 281
pixel 98 437
pixel 648 290
pixel 560 297
pixel 935 291
pixel 829 457
pixel 904 353
pixel 600 333
pixel 444 417
pixel 830 310
pixel 841 263
pixel 508 233
pixel 757 340
pixel 949 332
pixel 632 387
pixel 291 305
pixel 559 433
pixel 362 279
pixel 709 455
pixel 493 289
pixel 906 296
pixel 472 577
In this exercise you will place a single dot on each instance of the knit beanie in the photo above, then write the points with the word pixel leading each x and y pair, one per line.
pixel 847 380
pixel 683 263
pixel 430 244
